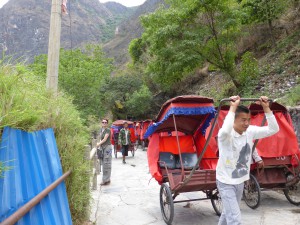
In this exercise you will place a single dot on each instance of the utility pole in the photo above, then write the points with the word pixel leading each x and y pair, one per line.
pixel 54 46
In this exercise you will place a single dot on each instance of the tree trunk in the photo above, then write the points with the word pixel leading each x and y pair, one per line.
pixel 271 33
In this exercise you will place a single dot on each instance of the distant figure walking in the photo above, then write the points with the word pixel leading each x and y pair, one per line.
pixel 124 140
pixel 106 151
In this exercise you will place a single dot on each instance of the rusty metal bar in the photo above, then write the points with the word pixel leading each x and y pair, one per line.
pixel 14 218
pixel 179 149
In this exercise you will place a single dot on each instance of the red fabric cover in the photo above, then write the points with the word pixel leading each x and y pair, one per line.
pixel 282 143
pixel 209 159
pixel 169 144
pixel 213 141
pixel 144 129
pixel 111 136
pixel 153 157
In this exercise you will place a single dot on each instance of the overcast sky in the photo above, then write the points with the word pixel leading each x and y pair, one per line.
pixel 127 3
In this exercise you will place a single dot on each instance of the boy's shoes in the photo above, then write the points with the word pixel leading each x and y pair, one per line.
pixel 124 162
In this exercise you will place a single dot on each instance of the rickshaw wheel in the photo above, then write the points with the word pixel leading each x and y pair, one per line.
pixel 292 192
pixel 143 145
pixel 166 203
pixel 252 192
pixel 216 202
pixel 115 151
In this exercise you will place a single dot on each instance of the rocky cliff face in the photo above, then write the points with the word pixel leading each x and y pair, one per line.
pixel 24 25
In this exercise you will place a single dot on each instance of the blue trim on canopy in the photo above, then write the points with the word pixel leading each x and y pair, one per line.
pixel 184 111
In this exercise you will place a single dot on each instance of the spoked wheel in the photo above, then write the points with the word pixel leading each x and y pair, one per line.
pixel 115 151
pixel 143 145
pixel 136 145
pixel 292 193
pixel 166 203
pixel 252 192
pixel 216 202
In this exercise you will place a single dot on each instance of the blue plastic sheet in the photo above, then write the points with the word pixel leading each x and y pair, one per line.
pixel 35 164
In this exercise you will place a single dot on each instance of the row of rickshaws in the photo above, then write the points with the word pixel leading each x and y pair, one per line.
pixel 137 132
pixel 183 153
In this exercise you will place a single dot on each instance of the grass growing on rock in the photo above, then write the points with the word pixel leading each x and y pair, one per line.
pixel 27 105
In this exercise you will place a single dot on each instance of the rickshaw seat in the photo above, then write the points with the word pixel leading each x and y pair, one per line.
pixel 188 159
pixel 167 159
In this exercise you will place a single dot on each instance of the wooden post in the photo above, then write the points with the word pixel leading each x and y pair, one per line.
pixel 94 142
pixel 54 46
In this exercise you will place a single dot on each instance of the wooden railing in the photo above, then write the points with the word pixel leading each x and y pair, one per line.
pixel 91 154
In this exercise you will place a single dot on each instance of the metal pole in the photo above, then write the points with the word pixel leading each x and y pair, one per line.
pixel 12 219
pixel 54 46
pixel 179 150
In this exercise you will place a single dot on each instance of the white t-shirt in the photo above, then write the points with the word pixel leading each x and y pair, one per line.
pixel 235 150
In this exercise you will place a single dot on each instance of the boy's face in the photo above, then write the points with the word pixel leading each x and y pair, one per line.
pixel 241 122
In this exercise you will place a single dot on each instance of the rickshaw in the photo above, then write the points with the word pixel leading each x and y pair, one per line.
pixel 280 154
pixel 144 126
pixel 115 129
pixel 179 156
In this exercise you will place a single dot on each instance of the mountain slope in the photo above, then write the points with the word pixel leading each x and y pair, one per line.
pixel 128 30
pixel 24 25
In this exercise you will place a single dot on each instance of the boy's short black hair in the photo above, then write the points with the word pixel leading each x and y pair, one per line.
pixel 241 109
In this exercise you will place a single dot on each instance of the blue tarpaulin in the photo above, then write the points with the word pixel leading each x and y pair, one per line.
pixel 35 164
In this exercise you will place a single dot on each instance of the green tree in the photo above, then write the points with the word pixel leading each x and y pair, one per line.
pixel 184 36
pixel 263 11
pixel 139 102
pixel 116 90
pixel 81 73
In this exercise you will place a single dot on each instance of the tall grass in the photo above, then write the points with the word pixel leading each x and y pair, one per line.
pixel 26 104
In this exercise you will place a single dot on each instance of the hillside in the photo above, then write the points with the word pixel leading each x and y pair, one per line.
pixel 24 27
pixel 129 29
pixel 279 70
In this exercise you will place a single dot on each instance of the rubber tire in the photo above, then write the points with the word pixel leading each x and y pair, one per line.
pixel 254 181
pixel 215 197
pixel 165 191
pixel 286 193
pixel 115 151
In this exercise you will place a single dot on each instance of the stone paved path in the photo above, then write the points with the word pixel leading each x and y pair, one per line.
pixel 132 198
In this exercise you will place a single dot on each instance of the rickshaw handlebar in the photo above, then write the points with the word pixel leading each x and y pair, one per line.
pixel 243 99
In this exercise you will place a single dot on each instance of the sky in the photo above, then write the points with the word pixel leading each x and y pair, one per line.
pixel 127 3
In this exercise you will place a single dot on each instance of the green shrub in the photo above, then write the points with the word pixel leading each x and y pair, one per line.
pixel 249 69
pixel 27 105
pixel 292 98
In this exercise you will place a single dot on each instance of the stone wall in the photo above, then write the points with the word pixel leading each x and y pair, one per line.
pixel 295 114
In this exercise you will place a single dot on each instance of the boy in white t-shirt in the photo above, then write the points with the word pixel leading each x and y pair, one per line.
pixel 235 141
